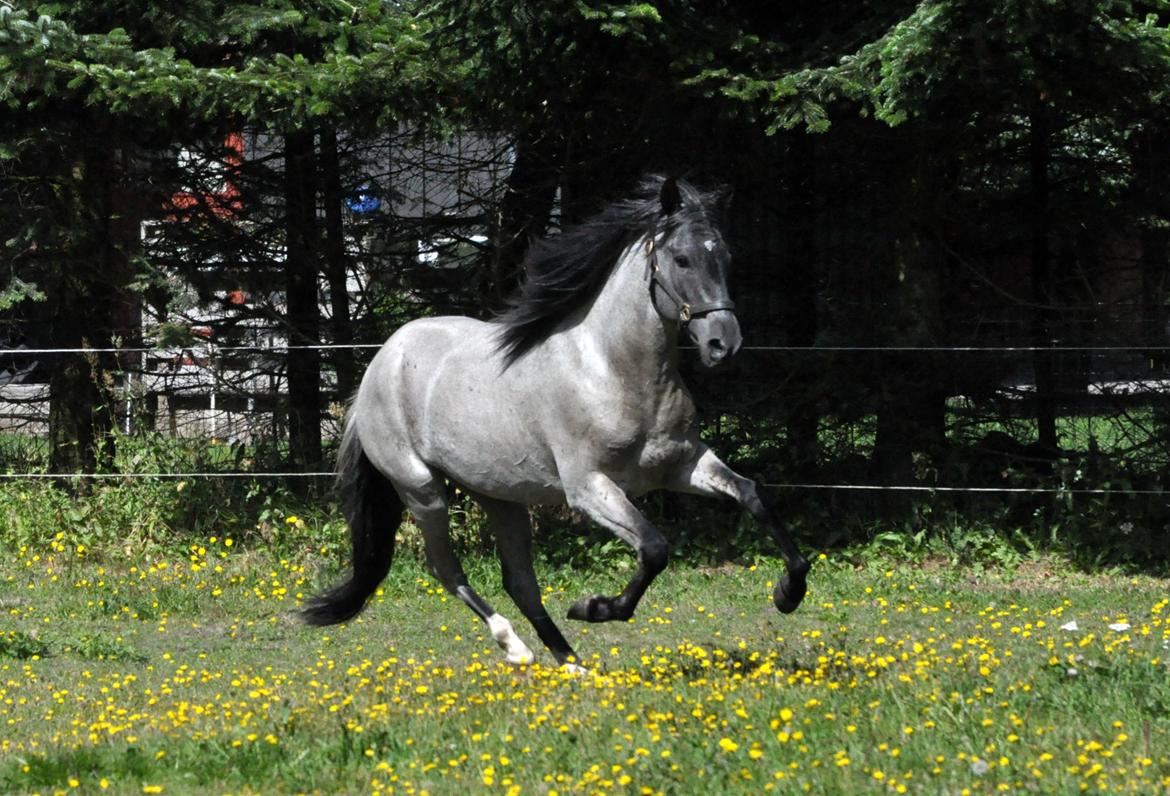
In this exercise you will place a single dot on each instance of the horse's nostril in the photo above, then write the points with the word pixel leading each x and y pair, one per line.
pixel 715 344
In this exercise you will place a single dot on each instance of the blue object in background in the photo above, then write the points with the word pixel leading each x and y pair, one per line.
pixel 364 200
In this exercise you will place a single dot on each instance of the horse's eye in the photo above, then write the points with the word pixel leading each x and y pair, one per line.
pixel 681 261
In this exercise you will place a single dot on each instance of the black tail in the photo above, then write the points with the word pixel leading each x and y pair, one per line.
pixel 373 511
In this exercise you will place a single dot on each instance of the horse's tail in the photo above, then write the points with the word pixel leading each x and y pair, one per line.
pixel 373 511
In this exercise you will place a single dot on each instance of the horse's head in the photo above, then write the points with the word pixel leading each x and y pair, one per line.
pixel 688 274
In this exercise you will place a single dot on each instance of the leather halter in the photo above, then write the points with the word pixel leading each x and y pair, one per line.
pixel 686 309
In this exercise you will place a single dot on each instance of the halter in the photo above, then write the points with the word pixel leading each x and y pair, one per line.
pixel 686 310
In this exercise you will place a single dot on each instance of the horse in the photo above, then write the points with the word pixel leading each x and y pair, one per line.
pixel 571 395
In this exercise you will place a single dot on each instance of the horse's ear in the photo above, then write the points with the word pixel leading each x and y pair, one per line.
pixel 669 196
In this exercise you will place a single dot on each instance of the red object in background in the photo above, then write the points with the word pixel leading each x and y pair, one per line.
pixel 223 203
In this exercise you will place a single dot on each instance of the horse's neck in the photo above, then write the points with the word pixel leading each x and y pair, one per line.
pixel 625 329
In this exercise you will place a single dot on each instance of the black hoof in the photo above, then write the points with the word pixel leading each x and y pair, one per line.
pixel 788 594
pixel 592 609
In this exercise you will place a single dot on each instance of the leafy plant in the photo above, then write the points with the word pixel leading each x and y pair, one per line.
pixel 100 648
pixel 21 645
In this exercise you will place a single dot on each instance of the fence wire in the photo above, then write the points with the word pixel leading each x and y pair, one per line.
pixel 828 349
pixel 789 486
pixel 214 350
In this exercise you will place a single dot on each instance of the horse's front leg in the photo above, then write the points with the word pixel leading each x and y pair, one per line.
pixel 707 475
pixel 606 504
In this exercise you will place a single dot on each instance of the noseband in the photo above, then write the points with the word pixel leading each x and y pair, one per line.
pixel 686 310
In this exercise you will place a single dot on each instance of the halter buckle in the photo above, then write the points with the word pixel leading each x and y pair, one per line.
pixel 684 312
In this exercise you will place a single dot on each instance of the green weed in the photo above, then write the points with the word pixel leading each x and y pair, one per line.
pixel 21 645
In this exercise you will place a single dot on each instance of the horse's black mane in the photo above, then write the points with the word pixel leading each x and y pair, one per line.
pixel 566 271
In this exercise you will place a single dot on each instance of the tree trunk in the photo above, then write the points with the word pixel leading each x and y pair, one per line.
pixel 1042 295
pixel 524 211
pixel 336 266
pixel 800 316
pixel 79 416
pixel 90 307
pixel 912 402
pixel 1152 167
pixel 303 317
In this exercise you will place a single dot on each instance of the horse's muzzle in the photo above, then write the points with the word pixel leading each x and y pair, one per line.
pixel 717 335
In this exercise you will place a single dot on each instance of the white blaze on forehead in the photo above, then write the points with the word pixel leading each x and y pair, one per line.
pixel 709 245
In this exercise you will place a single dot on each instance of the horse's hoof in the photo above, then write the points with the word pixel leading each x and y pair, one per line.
pixel 592 609
pixel 520 657
pixel 516 651
pixel 574 669
pixel 788 594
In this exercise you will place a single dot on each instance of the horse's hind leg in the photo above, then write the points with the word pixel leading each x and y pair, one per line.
pixel 428 504
pixel 605 503
pixel 513 531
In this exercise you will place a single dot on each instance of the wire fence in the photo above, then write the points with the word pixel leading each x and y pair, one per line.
pixel 918 488
pixel 210 352
pixel 936 349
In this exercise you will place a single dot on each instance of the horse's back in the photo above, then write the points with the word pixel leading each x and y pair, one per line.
pixel 438 395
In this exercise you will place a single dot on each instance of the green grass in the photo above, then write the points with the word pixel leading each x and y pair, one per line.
pixel 181 672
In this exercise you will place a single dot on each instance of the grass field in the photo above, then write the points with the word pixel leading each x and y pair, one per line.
pixel 183 673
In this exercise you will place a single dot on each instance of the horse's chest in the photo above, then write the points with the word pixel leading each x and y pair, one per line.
pixel 650 438
pixel 664 452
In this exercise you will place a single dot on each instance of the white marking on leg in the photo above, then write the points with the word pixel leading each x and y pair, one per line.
pixel 516 650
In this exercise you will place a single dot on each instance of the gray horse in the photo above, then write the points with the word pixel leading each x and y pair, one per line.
pixel 571 396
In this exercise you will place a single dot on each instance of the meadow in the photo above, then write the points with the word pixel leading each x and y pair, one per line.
pixel 179 669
